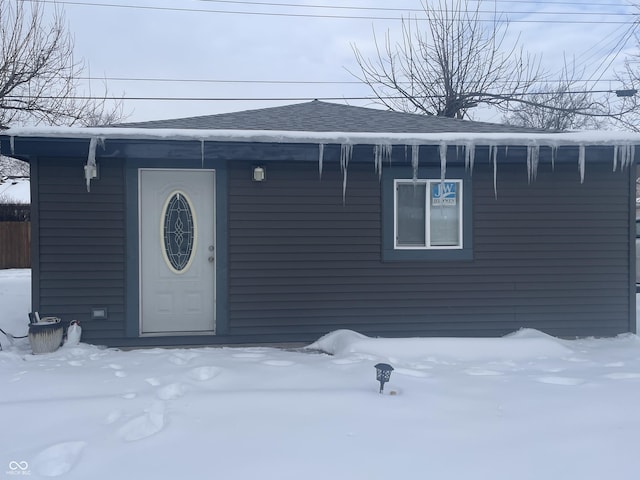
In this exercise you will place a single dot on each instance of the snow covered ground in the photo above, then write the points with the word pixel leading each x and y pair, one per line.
pixel 526 406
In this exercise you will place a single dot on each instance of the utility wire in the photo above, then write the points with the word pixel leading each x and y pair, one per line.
pixel 351 17
pixel 411 10
pixel 280 82
pixel 282 99
pixel 391 9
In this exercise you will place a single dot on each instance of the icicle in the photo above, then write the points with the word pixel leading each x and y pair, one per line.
pixel 346 150
pixel 615 157
pixel 381 153
pixel 628 153
pixel 581 162
pixel 202 152
pixel 415 158
pixel 469 157
pixel 12 143
pixel 443 160
pixel 533 158
pixel 493 153
pixel 90 169
pixel 320 159
pixel 554 150
pixel 377 159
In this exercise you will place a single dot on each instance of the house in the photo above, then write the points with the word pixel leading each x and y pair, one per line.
pixel 285 223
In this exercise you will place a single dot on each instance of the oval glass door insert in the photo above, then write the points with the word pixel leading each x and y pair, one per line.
pixel 178 232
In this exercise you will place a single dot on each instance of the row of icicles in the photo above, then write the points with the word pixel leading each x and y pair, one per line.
pixel 622 155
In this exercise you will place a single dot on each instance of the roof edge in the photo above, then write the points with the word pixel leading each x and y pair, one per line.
pixel 353 138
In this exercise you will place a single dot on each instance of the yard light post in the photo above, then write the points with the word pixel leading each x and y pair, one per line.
pixel 383 373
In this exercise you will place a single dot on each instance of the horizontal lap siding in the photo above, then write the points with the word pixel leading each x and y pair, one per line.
pixel 551 255
pixel 81 245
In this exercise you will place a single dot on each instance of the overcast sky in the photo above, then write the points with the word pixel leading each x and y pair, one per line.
pixel 212 54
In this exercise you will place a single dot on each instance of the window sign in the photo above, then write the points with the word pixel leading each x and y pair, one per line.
pixel 445 221
pixel 444 193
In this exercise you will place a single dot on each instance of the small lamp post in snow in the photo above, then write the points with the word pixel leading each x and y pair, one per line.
pixel 383 373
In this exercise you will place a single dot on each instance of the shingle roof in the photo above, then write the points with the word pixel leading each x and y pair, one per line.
pixel 317 116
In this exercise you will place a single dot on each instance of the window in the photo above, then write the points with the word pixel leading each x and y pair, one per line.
pixel 426 219
pixel 428 214
pixel 178 232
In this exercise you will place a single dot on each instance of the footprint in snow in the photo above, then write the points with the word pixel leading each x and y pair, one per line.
pixel 152 381
pixel 120 373
pixel 171 391
pixel 560 380
pixel 129 396
pixel 182 358
pixel 58 459
pixel 75 363
pixel 145 425
pixel 204 373
pixel 113 417
pixel 622 375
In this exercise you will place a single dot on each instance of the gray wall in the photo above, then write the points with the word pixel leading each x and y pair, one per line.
pixel 80 242
pixel 553 255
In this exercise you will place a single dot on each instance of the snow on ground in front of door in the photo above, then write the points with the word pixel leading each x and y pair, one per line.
pixel 526 406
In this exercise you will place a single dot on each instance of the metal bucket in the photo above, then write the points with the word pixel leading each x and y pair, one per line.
pixel 45 336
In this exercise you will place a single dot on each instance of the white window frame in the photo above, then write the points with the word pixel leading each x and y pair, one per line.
pixel 427 183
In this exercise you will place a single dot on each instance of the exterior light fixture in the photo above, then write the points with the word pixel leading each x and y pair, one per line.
pixel 259 174
pixel 383 373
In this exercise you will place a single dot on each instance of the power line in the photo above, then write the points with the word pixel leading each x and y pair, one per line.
pixel 392 9
pixel 421 10
pixel 283 82
pixel 290 99
pixel 350 17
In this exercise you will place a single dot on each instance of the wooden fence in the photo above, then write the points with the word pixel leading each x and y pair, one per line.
pixel 15 245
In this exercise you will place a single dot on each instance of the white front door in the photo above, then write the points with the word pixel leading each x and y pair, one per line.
pixel 177 252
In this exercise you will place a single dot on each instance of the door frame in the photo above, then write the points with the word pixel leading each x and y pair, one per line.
pixel 139 256
pixel 132 249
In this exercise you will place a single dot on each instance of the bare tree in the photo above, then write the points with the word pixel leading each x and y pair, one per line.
pixel 629 76
pixel 448 63
pixel 564 105
pixel 38 72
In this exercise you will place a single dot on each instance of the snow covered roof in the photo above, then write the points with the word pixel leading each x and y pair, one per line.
pixel 326 123
pixel 15 190
pixel 317 116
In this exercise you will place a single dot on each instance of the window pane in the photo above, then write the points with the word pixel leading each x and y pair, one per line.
pixel 444 212
pixel 411 214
